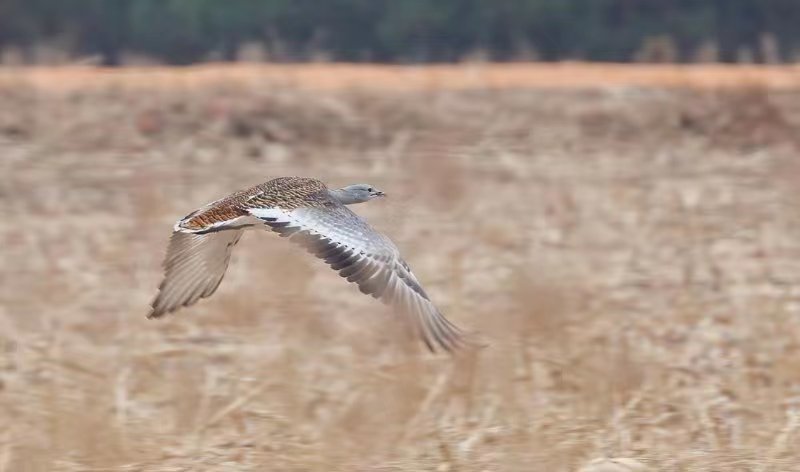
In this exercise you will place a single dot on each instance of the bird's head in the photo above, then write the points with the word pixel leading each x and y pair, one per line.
pixel 357 193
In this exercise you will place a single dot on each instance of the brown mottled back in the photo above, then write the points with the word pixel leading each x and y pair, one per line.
pixel 284 192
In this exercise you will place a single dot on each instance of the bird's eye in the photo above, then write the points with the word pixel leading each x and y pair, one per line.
pixel 369 189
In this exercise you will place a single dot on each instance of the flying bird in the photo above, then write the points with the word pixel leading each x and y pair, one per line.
pixel 310 214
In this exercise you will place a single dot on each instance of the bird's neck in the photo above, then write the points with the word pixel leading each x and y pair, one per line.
pixel 343 196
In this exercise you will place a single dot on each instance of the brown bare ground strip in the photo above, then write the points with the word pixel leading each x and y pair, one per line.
pixel 567 75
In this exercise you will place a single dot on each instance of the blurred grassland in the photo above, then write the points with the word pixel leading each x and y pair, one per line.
pixel 630 252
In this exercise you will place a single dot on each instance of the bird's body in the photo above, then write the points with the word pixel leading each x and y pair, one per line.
pixel 308 213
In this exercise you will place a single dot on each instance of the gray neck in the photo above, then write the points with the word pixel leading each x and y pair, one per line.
pixel 343 196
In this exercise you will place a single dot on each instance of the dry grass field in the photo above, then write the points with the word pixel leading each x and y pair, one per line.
pixel 630 251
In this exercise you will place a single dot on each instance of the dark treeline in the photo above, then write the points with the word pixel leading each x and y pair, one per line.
pixel 185 31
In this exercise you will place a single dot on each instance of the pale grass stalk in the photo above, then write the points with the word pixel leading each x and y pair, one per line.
pixel 350 404
pixel 235 405
pixel 705 416
pixel 782 441
pixel 210 382
pixel 479 430
pixel 5 453
pixel 616 432
pixel 122 403
pixel 433 394
pixel 448 458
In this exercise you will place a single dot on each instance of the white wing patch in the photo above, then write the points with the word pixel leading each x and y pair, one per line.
pixel 236 223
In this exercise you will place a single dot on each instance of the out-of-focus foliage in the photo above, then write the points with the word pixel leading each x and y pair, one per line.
pixel 184 31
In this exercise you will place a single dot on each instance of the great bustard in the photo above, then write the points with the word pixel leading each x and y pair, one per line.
pixel 315 217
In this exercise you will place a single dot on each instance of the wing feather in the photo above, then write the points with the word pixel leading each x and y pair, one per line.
pixel 194 267
pixel 367 258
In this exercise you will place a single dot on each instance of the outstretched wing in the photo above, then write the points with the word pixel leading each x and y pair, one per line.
pixel 194 267
pixel 366 257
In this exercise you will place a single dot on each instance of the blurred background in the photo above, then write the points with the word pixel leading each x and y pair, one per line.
pixel 124 32
pixel 606 191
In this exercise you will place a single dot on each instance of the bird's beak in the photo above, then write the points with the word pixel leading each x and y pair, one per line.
pixel 379 194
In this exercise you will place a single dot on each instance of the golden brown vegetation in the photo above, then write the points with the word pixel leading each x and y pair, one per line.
pixel 632 255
